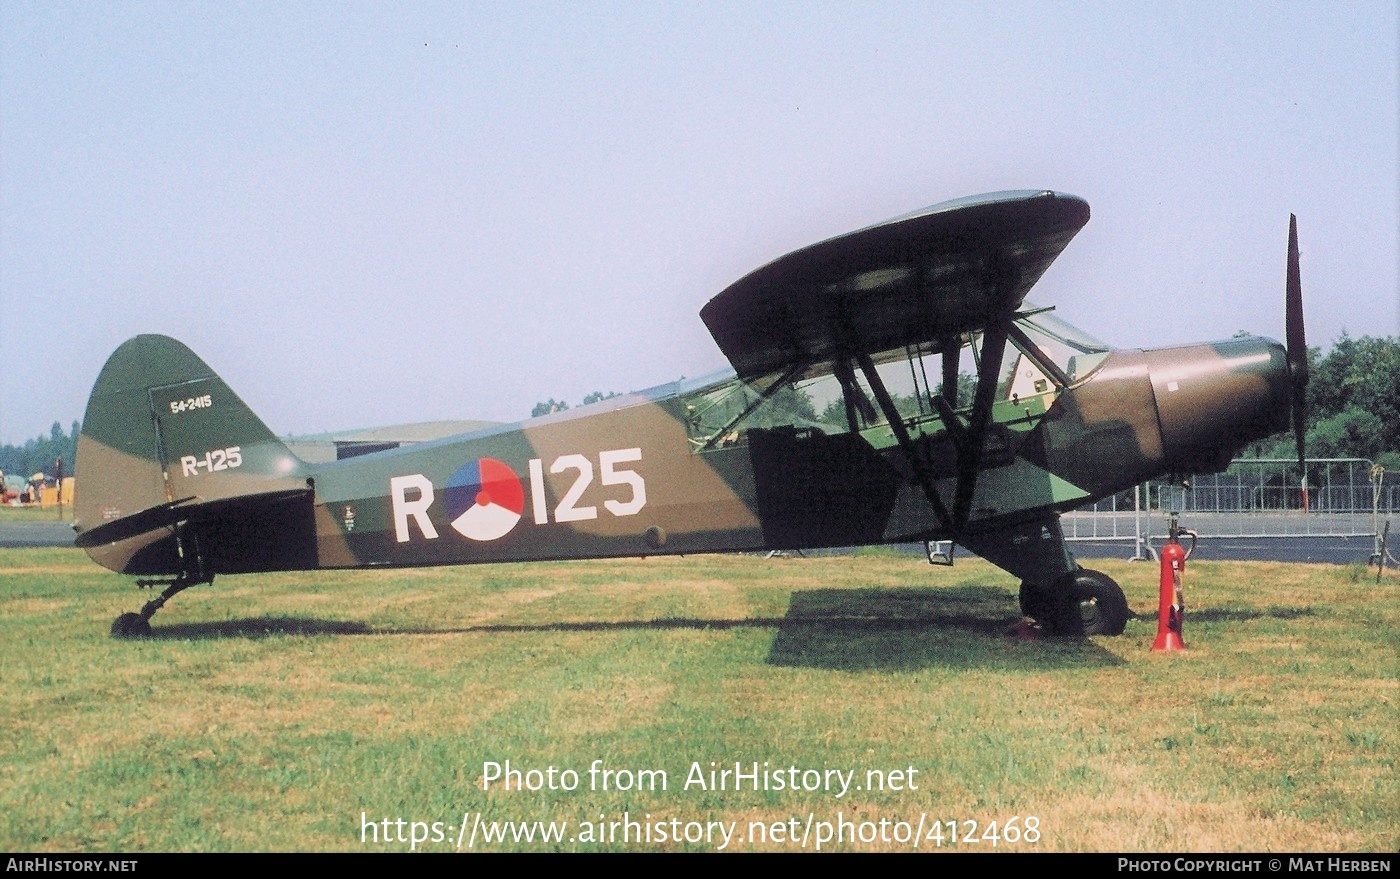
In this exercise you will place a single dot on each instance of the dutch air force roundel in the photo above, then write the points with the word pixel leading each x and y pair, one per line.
pixel 484 499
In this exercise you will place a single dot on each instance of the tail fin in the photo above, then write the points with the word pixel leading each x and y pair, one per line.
pixel 163 437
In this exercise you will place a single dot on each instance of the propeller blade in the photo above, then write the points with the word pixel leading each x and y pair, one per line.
pixel 1296 338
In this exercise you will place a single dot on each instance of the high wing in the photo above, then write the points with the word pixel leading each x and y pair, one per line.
pixel 952 268
pixel 958 267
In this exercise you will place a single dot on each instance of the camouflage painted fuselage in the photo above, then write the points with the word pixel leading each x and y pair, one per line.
pixel 827 432
pixel 166 439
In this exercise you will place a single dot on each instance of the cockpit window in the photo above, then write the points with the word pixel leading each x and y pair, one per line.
pixel 1042 356
pixel 718 408
pixel 1074 351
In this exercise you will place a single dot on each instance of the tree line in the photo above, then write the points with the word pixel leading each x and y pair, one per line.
pixel 38 455
pixel 552 405
pixel 1352 402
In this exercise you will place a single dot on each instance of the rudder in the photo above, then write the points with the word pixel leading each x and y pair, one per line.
pixel 162 430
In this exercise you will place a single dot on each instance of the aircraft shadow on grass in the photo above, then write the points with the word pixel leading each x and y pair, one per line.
pixel 255 628
pixel 911 628
pixel 847 629
pixel 896 627
pixel 1225 615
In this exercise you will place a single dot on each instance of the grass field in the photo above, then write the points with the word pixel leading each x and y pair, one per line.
pixel 299 712
pixel 35 514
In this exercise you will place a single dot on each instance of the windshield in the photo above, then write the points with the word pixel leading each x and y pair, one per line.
pixel 1071 349
pixel 1043 355
pixel 719 407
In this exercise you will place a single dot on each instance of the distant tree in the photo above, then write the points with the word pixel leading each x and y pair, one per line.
pixel 1373 384
pixel 553 405
pixel 834 413
pixel 1325 396
pixel 794 403
pixel 1353 402
pixel 1362 373
pixel 907 405
pixel 548 406
pixel 1351 433
pixel 966 386
pixel 39 454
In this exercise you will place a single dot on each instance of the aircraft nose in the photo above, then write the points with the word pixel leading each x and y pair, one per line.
pixel 1215 399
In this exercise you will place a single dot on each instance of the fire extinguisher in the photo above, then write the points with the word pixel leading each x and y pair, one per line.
pixel 1171 606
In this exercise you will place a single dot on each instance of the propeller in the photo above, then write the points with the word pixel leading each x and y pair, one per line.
pixel 1297 343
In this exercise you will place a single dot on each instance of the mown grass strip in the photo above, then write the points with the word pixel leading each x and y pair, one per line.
pixel 270 712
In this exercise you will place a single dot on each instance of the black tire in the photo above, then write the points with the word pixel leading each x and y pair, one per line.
pixel 1085 602
pixel 130 625
pixel 1036 601
pixel 1097 606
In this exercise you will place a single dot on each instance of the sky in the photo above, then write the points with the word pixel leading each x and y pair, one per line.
pixel 372 214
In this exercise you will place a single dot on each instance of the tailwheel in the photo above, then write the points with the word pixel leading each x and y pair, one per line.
pixel 1084 602
pixel 138 625
pixel 131 625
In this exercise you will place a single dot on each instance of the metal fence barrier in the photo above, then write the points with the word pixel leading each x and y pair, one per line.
pixel 1253 498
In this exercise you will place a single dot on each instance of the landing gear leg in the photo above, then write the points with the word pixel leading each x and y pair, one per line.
pixel 138 625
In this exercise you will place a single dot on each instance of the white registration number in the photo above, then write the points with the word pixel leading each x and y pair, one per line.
pixel 212 462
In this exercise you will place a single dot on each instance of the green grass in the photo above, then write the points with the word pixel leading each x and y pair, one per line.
pixel 270 712
pixel 32 513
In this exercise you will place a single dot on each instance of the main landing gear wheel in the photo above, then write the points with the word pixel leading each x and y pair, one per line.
pixel 1085 602
pixel 1099 603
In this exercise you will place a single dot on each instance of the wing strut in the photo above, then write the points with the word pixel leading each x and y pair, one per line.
pixel 901 434
pixel 857 404
pixel 967 440
pixel 951 349
pixel 970 450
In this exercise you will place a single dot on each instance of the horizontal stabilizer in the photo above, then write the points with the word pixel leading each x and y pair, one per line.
pixel 188 509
